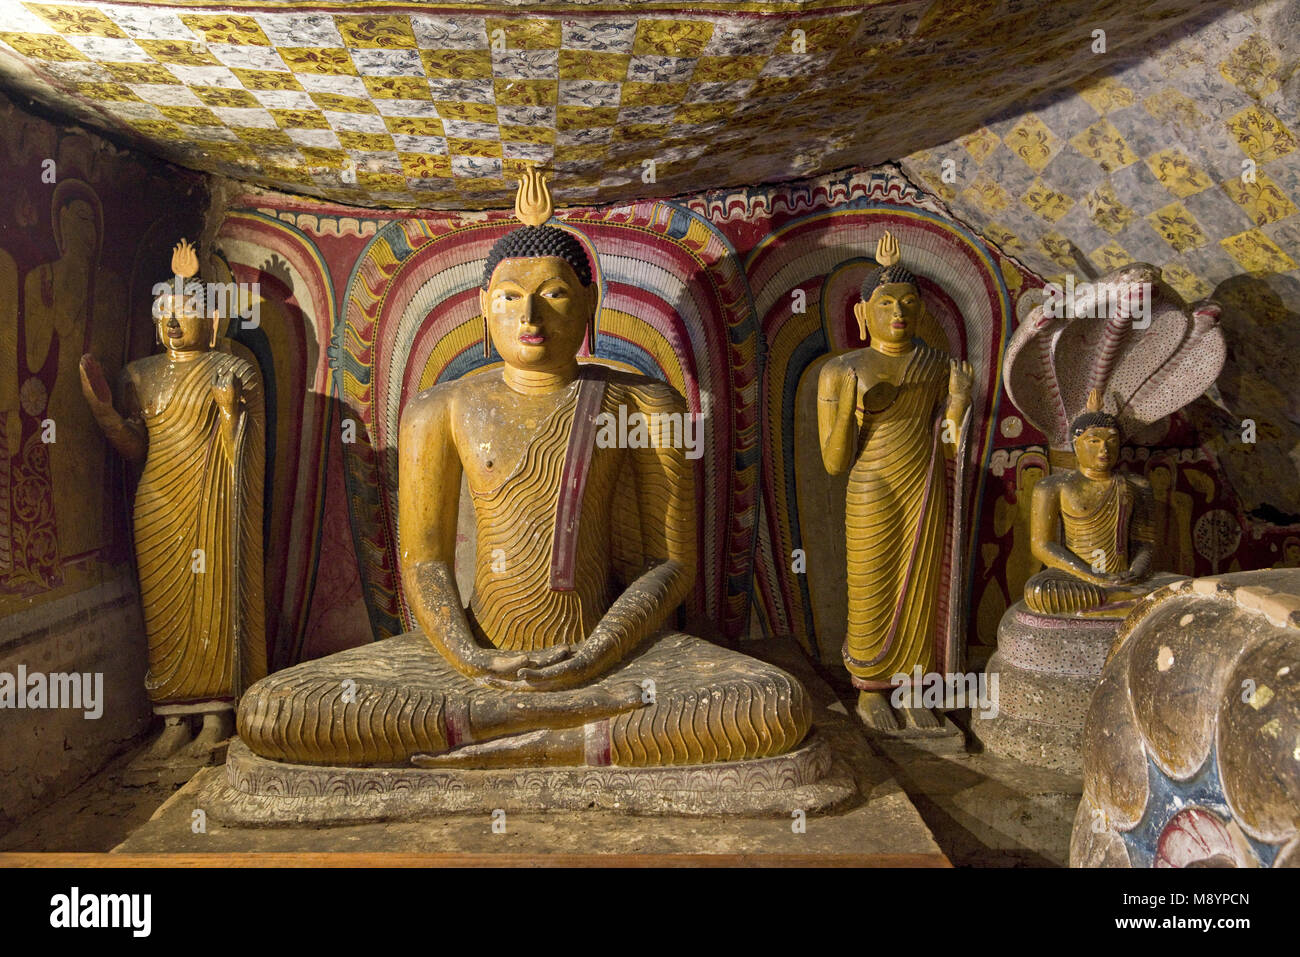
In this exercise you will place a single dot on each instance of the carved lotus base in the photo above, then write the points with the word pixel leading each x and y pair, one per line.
pixel 259 792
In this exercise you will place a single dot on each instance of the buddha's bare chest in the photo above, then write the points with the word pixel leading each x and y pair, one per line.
pixel 161 384
pixel 1082 497
pixel 873 368
pixel 502 436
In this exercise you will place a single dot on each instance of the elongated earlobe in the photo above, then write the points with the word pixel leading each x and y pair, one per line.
pixel 212 339
pixel 487 339
pixel 860 313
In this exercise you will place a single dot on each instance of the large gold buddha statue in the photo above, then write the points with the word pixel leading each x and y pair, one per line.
pixel 193 417
pixel 1093 528
pixel 565 655
pixel 890 413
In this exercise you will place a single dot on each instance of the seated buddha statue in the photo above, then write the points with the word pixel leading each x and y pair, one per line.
pixel 565 655
pixel 1093 529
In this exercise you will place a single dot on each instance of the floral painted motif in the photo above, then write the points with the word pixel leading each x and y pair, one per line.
pixel 1257 253
pixel 1262 199
pixel 1178 227
pixel 1047 202
pixel 1103 144
pixel 1261 134
pixel 1032 141
pixel 227 28
pixel 1177 173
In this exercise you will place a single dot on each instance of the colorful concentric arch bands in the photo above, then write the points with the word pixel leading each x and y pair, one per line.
pixel 291 343
pixel 962 282
pixel 674 306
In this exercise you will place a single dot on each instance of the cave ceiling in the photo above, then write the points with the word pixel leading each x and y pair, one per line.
pixel 404 104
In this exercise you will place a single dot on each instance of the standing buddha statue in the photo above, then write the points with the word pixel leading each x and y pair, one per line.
pixel 193 417
pixel 890 413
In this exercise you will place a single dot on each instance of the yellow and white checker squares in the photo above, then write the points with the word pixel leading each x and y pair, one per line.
pixel 422 109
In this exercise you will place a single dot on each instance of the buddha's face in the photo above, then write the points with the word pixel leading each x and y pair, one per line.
pixel 891 314
pixel 77 229
pixel 1029 478
pixel 1159 479
pixel 1097 449
pixel 537 312
pixel 180 326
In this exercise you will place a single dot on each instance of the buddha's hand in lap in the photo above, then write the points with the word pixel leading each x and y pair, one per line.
pixel 503 668
pixel 581 667
pixel 1131 577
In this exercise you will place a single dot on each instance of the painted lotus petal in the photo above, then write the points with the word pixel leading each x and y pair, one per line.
pixel 1196 837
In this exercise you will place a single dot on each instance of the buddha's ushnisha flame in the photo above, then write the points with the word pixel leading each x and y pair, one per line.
pixel 533 203
pixel 185 262
pixel 887 251
pixel 889 257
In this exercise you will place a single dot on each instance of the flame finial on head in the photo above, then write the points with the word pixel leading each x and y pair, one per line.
pixel 887 251
pixel 533 203
pixel 889 267
pixel 1094 401
pixel 185 262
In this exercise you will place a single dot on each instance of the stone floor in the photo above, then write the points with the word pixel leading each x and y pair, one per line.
pixel 985 810
pixel 96 816
pixel 919 799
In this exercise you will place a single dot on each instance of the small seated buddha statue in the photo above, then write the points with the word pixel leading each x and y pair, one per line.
pixel 1093 529
pixel 565 655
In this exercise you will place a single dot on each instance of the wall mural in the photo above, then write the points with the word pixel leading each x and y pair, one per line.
pixel 734 298
pixel 74 276
pixel 1187 157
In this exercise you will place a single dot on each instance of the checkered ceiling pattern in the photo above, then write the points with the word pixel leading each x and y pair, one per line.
pixel 416 104
pixel 1188 159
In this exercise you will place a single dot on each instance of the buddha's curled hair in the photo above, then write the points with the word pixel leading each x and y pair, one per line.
pixel 1093 417
pixel 533 241
pixel 881 277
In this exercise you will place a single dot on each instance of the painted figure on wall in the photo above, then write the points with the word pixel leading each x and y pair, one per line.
pixel 193 416
pixel 67 307
pixel 11 425
pixel 1173 516
pixel 892 413
pixel 1011 520
pixel 54 458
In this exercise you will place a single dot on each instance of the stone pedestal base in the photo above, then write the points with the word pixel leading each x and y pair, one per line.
pixel 257 792
pixel 875 824
pixel 1047 668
